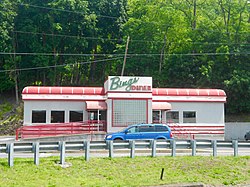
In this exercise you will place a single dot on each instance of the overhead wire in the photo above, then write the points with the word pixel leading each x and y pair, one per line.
pixel 120 40
pixel 106 39
pixel 118 56
pixel 62 10
pixel 129 54
pixel 59 65
pixel 67 36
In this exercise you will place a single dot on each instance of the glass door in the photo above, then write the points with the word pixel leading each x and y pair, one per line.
pixel 157 116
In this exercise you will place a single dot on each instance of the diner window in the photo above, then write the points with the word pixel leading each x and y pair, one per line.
pixel 172 117
pixel 75 116
pixel 38 116
pixel 57 116
pixel 189 117
pixel 127 112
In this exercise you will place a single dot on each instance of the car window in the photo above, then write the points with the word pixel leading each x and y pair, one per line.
pixel 161 128
pixel 132 130
pixel 146 128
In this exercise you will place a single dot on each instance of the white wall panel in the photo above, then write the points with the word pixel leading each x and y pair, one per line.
pixel 205 112
pixel 51 105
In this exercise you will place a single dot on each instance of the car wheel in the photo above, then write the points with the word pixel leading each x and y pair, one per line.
pixel 160 139
pixel 118 139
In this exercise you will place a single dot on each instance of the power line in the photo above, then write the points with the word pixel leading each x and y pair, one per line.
pixel 68 36
pixel 129 54
pixel 190 54
pixel 57 54
pixel 116 39
pixel 61 65
pixel 63 10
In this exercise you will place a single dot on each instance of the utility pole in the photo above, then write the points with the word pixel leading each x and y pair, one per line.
pixel 162 53
pixel 125 56
pixel 15 69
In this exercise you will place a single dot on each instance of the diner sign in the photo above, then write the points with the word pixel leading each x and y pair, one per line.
pixel 129 84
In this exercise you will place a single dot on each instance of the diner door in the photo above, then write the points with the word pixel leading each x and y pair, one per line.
pixel 98 118
pixel 97 115
pixel 157 116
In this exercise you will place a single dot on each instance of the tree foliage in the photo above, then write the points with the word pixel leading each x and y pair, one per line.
pixel 197 44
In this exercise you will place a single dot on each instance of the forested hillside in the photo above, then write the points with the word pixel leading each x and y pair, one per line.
pixel 180 43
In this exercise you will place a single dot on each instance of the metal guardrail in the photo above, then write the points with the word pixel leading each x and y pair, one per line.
pixel 62 146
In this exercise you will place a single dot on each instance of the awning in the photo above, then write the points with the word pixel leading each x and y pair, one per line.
pixel 161 106
pixel 96 105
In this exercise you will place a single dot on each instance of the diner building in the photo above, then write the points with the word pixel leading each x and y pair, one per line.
pixel 123 101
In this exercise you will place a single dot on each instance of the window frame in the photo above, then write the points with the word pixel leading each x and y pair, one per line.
pixel 32 115
pixel 173 120
pixel 77 112
pixel 191 119
pixel 51 116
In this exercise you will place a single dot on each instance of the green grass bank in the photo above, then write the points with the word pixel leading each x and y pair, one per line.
pixel 140 171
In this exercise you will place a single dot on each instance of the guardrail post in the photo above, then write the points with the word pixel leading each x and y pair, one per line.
pixel 193 146
pixel 36 148
pixel 173 146
pixel 62 152
pixel 153 143
pixel 111 149
pixel 10 151
pixel 235 146
pixel 214 145
pixel 87 150
pixel 132 148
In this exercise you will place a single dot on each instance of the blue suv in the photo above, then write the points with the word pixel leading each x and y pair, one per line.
pixel 142 132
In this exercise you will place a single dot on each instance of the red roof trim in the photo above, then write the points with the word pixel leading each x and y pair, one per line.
pixel 100 91
pixel 187 92
pixel 64 90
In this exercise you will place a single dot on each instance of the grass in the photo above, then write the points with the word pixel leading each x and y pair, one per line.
pixel 140 171
pixel 241 117
pixel 5 107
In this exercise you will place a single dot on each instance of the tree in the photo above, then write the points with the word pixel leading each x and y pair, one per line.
pixel 111 15
pixel 52 31
pixel 7 77
pixel 204 42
